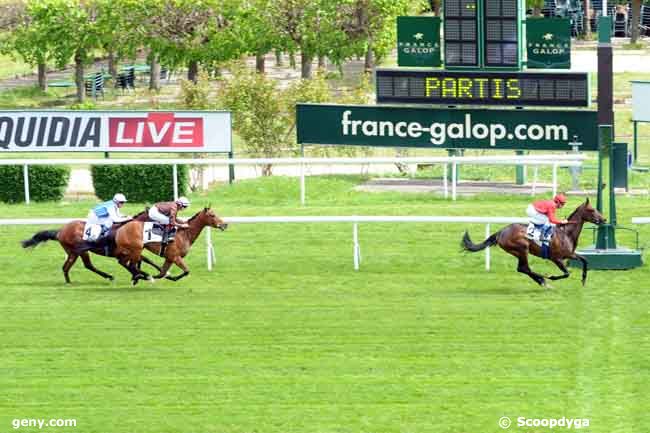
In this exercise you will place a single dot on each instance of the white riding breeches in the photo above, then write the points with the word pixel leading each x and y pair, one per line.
pixel 157 216
pixel 536 218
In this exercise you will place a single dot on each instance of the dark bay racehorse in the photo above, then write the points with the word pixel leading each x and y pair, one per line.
pixel 129 244
pixel 512 239
pixel 70 237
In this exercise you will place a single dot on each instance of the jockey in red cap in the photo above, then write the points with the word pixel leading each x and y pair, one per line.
pixel 542 213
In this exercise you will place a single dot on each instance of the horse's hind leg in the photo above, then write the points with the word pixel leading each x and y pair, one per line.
pixel 69 261
pixel 562 267
pixel 525 269
pixel 150 263
pixel 89 265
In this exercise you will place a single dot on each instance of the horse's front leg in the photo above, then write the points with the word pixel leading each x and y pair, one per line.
pixel 560 264
pixel 178 260
pixel 584 266
pixel 164 270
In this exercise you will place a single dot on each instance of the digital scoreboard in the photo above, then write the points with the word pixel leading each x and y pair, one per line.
pixel 483 34
pixel 565 89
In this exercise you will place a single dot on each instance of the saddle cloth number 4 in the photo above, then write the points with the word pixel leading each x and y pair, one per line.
pixel 92 232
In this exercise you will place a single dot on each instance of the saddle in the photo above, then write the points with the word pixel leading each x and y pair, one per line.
pixel 155 232
pixel 542 236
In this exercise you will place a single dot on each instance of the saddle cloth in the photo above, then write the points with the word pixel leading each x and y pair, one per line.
pixel 536 233
pixel 153 232
pixel 92 232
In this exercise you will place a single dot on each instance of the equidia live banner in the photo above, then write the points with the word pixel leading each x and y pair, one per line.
pixel 115 131
pixel 404 126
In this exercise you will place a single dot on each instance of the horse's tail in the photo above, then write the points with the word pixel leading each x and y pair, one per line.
pixel 468 245
pixel 43 236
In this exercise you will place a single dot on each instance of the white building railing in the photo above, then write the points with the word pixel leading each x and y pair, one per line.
pixel 354 220
pixel 555 161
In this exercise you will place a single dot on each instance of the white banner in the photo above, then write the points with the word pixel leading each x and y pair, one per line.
pixel 115 131
pixel 641 101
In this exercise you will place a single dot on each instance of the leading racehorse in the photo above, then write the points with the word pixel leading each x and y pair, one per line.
pixel 512 239
pixel 70 237
pixel 129 244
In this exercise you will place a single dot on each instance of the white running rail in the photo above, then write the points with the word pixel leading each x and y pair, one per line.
pixel 354 220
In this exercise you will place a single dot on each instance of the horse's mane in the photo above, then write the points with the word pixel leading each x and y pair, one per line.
pixel 196 215
pixel 582 205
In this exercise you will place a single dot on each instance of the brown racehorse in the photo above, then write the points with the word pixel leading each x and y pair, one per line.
pixel 70 237
pixel 512 239
pixel 129 244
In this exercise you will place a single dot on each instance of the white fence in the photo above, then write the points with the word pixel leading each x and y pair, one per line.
pixel 555 161
pixel 641 220
pixel 354 220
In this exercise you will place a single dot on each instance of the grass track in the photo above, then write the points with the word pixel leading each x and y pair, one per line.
pixel 285 337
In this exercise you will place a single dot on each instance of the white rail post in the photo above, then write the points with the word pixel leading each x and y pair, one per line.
pixel 535 173
pixel 554 179
pixel 175 180
pixel 208 248
pixel 26 182
pixel 445 184
pixel 302 183
pixel 487 250
pixel 453 181
pixel 355 249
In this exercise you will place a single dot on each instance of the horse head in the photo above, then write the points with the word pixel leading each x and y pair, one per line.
pixel 210 218
pixel 586 212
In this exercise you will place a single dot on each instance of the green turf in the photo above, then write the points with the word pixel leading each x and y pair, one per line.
pixel 284 336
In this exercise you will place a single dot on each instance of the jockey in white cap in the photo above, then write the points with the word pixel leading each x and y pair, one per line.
pixel 104 215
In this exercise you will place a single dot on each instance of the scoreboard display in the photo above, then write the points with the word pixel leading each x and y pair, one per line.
pixel 501 33
pixel 565 89
pixel 461 33
pixel 482 33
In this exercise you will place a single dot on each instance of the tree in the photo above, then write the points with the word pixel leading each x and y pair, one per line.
pixel 372 24
pixel 24 35
pixel 263 113
pixel 72 30
pixel 191 32
pixel 310 25
pixel 635 16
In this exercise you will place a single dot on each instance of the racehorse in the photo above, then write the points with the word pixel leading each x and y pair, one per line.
pixel 512 239
pixel 129 244
pixel 70 237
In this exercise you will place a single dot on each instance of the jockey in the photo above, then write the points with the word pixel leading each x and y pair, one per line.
pixel 542 213
pixel 101 218
pixel 108 213
pixel 165 212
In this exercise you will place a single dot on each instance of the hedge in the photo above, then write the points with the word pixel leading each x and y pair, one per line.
pixel 139 183
pixel 46 183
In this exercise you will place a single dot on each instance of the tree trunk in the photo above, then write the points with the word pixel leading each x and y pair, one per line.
pixel 112 64
pixel 260 65
pixel 79 76
pixel 278 58
pixel 636 19
pixel 154 75
pixel 42 76
pixel 305 65
pixel 369 62
pixel 587 26
pixel 193 71
pixel 321 62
